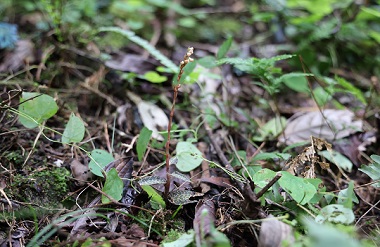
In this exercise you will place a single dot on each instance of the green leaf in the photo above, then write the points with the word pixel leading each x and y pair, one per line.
pixel 301 190
pixel 40 108
pixel 271 156
pixel 207 62
pixel 187 72
pixel 338 159
pixel 351 89
pixel 99 159
pixel 250 169
pixel 154 77
pixel 296 82
pixel 272 128
pixel 224 48
pixel 327 235
pixel 144 44
pixel 154 196
pixel 319 195
pixel 263 177
pixel 74 131
pixel 217 239
pixel 189 157
pixel 336 213
pixel 373 171
pixel 375 158
pixel 113 186
pixel 347 196
pixel 184 240
pixel 321 96
pixel 142 142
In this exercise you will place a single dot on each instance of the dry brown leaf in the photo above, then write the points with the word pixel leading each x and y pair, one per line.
pixel 131 63
pixel 17 58
pixel 80 172
pixel 273 232
pixel 332 125
pixel 153 117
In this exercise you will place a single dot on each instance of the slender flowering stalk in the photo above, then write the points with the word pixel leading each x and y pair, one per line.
pixel 186 59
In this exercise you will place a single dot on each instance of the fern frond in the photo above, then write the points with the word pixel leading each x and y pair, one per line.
pixel 144 44
pixel 279 57
pixel 235 61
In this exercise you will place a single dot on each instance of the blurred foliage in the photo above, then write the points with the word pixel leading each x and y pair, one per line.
pixel 332 33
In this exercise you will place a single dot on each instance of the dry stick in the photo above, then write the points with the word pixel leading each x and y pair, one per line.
pixel 246 189
pixel 186 59
pixel 266 187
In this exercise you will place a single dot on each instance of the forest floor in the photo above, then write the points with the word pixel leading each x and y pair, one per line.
pixel 264 148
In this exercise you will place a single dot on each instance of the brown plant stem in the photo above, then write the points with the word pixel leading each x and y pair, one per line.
pixel 186 59
pixel 268 185
pixel 245 188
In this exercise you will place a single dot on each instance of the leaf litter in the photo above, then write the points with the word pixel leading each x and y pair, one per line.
pixel 123 214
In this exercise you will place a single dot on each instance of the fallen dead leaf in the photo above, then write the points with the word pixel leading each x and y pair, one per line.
pixel 17 58
pixel 131 63
pixel 153 117
pixel 273 232
pixel 80 172
pixel 331 125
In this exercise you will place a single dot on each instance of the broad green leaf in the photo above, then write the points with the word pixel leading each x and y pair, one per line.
pixel 224 48
pixel 142 142
pixel 154 196
pixel 321 96
pixel 207 62
pixel 189 157
pixel 271 156
pixel 338 159
pixel 324 235
pixel 154 77
pixel 184 240
pixel 318 196
pixel 40 108
pixel 336 213
pixel 74 131
pixel 263 177
pixel 373 171
pixel 113 186
pixel 347 196
pixel 271 129
pixel 301 190
pixel 296 82
pixel 99 159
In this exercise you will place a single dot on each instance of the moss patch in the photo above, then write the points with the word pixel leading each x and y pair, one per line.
pixel 46 187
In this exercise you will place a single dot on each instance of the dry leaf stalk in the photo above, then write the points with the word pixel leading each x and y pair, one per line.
pixel 186 59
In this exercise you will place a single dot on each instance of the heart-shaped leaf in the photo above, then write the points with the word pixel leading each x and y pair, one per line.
pixel 189 157
pixel 99 159
pixel 113 186
pixel 301 190
pixel 35 108
pixel 74 131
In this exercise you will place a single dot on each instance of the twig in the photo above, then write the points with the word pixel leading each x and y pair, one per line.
pixel 266 187
pixel 186 59
pixel 245 188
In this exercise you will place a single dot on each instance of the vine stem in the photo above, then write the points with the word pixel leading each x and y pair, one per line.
pixel 186 59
